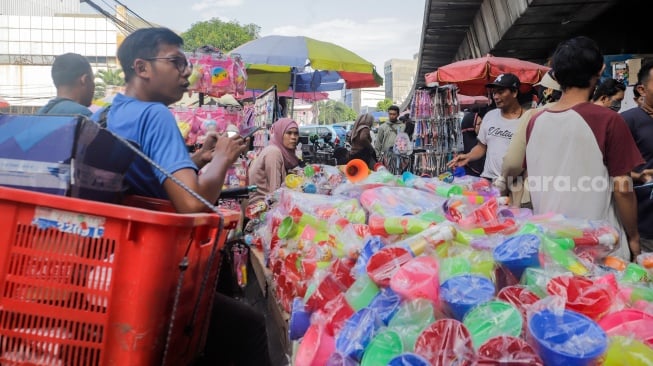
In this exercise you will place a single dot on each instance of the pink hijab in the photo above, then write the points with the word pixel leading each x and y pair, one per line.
pixel 279 128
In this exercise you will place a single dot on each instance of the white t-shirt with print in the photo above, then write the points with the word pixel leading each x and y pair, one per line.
pixel 496 133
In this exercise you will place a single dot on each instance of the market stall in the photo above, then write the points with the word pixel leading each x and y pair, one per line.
pixel 394 269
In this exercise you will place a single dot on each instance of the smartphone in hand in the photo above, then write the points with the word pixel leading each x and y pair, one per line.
pixel 249 132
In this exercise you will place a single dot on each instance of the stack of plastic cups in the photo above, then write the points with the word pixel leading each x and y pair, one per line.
pixel 582 295
pixel 445 342
pixel 385 304
pixel 507 350
pixel 361 293
pixel 492 319
pixel 520 297
pixel 299 321
pixel 384 263
pixel 630 323
pixel 315 347
pixel 516 254
pixel 461 293
pixel 417 279
pixel 567 339
pixel 383 348
pixel 357 333
pixel 411 319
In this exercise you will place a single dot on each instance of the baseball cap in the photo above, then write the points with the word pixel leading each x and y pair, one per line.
pixel 506 80
pixel 549 82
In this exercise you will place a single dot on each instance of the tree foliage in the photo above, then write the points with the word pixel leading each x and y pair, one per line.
pixel 105 79
pixel 383 105
pixel 331 111
pixel 223 35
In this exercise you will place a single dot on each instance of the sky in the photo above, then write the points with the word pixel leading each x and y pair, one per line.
pixel 377 30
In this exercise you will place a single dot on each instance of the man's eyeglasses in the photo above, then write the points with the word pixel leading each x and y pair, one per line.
pixel 181 63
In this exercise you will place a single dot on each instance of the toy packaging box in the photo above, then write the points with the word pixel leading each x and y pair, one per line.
pixel 64 155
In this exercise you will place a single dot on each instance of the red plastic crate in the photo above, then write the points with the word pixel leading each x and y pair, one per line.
pixel 89 283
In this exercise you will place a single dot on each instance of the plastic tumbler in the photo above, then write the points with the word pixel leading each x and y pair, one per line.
pixel 582 295
pixel 361 293
pixel 299 321
pixel 454 266
pixel 357 333
pixel 461 293
pixel 315 348
pixel 411 319
pixel 492 319
pixel 445 342
pixel 417 279
pixel 507 350
pixel 383 348
pixel 386 304
pixel 567 339
pixel 518 253
pixel 338 359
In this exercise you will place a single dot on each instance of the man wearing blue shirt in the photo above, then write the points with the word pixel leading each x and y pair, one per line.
pixel 73 77
pixel 156 75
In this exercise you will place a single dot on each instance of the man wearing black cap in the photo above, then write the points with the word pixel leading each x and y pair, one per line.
pixel 73 77
pixel 497 127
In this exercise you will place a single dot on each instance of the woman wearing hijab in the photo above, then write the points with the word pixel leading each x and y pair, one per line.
pixel 268 170
pixel 361 140
pixel 470 125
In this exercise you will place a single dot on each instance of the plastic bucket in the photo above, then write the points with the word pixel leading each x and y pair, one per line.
pixel 629 322
pixel 507 350
pixel 518 253
pixel 417 279
pixel 492 319
pixel 461 293
pixel 315 348
pixel 385 304
pixel 445 342
pixel 582 295
pixel 568 339
pixel 383 348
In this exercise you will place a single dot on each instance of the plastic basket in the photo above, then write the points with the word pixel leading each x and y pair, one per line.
pixel 89 283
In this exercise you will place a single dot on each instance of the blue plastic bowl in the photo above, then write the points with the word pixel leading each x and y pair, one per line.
pixel 569 339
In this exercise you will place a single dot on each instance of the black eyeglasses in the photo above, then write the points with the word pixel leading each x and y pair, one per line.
pixel 181 63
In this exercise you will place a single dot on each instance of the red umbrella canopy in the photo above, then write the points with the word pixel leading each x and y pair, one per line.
pixel 471 75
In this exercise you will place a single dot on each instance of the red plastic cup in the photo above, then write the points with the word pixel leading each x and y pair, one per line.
pixel 335 313
pixel 445 342
pixel 384 263
pixel 507 350
pixel 582 295
pixel 520 297
pixel 328 289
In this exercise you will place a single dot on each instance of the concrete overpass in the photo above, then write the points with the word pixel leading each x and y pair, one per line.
pixel 526 29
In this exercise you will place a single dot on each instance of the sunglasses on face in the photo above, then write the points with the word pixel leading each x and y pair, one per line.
pixel 181 63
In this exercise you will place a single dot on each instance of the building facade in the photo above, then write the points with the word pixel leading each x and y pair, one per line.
pixel 399 79
pixel 31 36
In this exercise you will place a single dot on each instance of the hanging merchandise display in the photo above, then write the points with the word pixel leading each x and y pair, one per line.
pixel 437 132
pixel 265 113
pixel 215 73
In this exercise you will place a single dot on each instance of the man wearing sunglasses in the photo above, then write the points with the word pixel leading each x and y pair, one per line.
pixel 156 75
